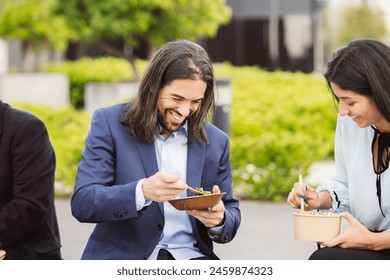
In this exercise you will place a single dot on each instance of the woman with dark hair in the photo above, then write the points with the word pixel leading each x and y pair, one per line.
pixel 141 154
pixel 358 76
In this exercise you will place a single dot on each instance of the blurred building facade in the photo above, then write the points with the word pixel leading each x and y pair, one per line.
pixel 273 34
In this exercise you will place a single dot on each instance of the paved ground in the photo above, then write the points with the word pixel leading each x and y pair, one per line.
pixel 266 231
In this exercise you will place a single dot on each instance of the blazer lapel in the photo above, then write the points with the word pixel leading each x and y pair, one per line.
pixel 147 154
pixel 195 162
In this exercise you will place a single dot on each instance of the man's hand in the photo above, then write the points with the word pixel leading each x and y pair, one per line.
pixel 162 187
pixel 213 216
pixel 2 254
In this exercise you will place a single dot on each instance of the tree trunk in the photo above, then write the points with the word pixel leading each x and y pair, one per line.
pixel 44 54
pixel 28 56
pixel 110 49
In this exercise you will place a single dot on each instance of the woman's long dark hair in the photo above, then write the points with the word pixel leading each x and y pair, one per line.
pixel 363 66
pixel 180 59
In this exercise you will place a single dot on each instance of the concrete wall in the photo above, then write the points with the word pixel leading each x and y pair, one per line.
pixel 3 57
pixel 99 95
pixel 35 88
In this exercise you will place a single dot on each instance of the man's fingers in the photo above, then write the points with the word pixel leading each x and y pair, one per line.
pixel 169 178
pixel 216 189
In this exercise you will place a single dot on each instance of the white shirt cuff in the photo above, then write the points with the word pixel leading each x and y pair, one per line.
pixel 140 201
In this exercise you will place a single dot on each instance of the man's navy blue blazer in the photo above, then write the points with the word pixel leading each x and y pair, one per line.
pixel 113 162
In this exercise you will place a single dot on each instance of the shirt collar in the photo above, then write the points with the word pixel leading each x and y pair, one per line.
pixel 182 131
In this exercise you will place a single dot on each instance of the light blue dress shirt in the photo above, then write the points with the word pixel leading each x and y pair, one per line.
pixel 177 236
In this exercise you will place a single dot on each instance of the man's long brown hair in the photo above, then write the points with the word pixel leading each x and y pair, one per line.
pixel 180 59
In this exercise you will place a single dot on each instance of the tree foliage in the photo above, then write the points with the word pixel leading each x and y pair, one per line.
pixel 157 21
pixel 36 25
pixel 33 21
pixel 154 21
pixel 361 21
pixel 58 22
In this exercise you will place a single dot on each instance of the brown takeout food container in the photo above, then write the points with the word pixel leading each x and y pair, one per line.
pixel 197 201
pixel 316 227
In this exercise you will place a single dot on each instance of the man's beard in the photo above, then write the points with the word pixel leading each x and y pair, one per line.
pixel 165 128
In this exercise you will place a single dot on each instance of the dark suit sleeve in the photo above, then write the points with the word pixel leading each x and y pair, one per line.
pixel 33 168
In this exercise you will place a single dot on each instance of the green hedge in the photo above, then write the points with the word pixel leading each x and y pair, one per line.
pixel 280 124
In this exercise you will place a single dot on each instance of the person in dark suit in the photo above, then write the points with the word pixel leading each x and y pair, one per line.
pixel 28 222
pixel 141 154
